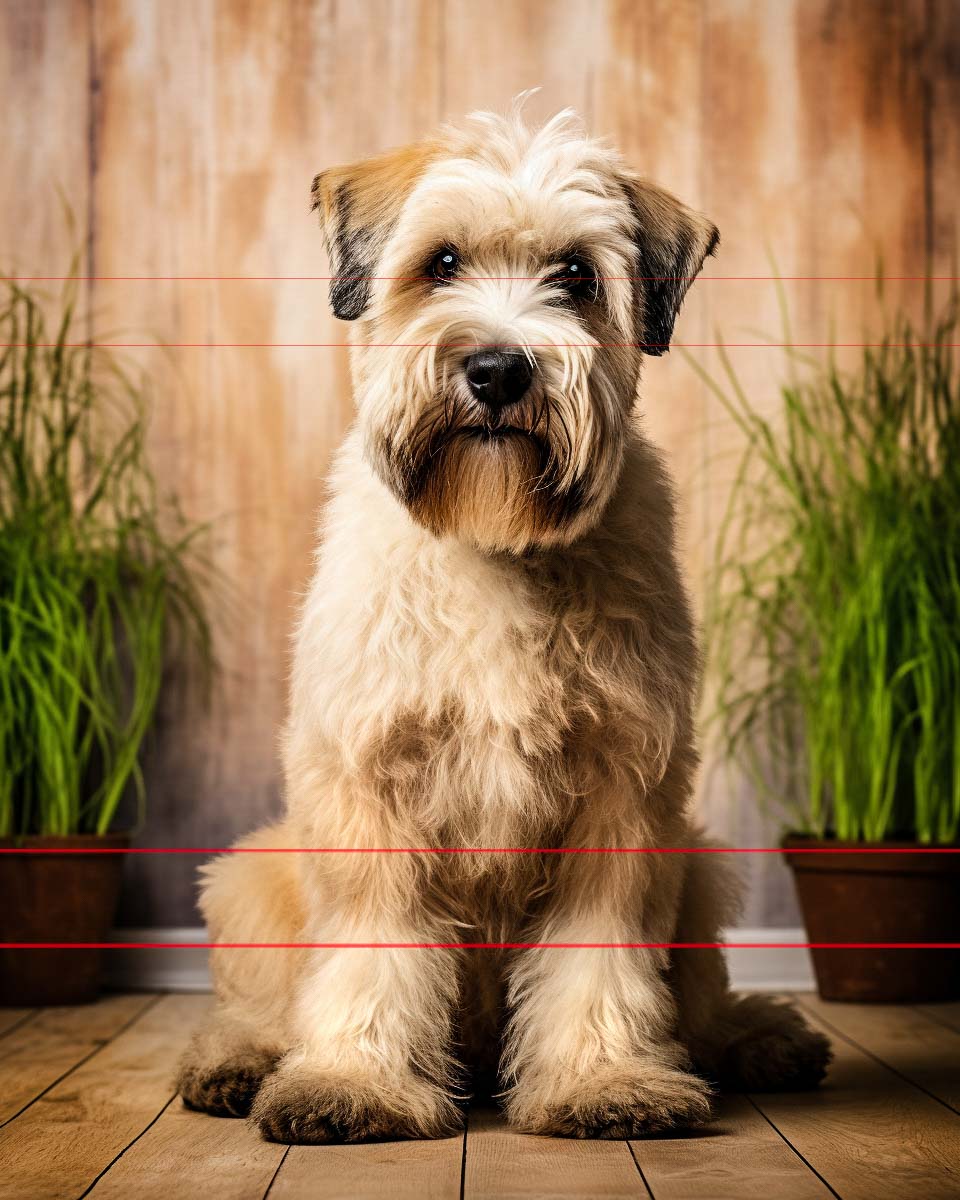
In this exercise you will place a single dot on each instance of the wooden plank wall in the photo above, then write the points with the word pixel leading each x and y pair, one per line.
pixel 184 133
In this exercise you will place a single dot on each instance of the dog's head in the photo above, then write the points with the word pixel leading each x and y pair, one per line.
pixel 506 283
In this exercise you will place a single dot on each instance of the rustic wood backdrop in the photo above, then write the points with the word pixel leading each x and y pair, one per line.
pixel 820 135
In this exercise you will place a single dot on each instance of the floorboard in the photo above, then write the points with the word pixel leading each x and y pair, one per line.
pixel 90 1110
pixel 502 1165
pixel 943 1014
pixel 909 1042
pixel 187 1155
pixel 738 1157
pixel 39 1052
pixel 74 1131
pixel 391 1170
pixel 13 1018
pixel 869 1133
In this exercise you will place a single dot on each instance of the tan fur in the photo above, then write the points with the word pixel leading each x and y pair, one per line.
pixel 496 650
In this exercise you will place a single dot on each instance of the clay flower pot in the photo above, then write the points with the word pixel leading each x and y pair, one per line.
pixel 895 897
pixel 50 897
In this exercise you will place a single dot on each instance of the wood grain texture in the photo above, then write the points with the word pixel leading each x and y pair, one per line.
pixel 942 140
pixel 943 1014
pixel 501 1164
pixel 738 1157
pixel 72 1133
pixel 192 1156
pixel 112 1129
pixel 870 1133
pixel 211 123
pixel 819 134
pixel 911 1043
pixel 45 89
pixel 494 51
pixel 391 1170
pixel 12 1018
pixel 655 117
pixel 39 1052
pixel 813 168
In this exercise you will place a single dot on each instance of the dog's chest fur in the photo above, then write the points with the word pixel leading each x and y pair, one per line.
pixel 482 700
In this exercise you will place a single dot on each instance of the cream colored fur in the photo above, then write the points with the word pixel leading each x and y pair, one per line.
pixel 496 650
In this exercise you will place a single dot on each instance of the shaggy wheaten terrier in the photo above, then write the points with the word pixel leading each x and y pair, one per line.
pixel 496 651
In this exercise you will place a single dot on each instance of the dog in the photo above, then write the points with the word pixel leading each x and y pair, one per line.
pixel 492 690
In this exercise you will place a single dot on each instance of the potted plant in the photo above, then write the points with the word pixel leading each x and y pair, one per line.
pixel 835 648
pixel 96 576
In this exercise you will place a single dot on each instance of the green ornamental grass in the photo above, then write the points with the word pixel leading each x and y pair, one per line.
pixel 834 621
pixel 97 576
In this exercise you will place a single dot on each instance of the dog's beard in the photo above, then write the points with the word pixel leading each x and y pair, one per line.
pixel 535 475
pixel 501 482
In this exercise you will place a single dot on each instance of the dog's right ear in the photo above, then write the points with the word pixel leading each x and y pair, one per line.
pixel 359 205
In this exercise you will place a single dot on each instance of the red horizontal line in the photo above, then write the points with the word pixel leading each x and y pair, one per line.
pixel 470 278
pixel 479 850
pixel 480 346
pixel 479 945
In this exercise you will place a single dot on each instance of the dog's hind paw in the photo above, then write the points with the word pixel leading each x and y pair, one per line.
pixel 778 1060
pixel 227 1090
pixel 615 1102
pixel 777 1051
pixel 301 1107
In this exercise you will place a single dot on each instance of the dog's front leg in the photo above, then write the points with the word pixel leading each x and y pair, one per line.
pixel 591 1049
pixel 372 1024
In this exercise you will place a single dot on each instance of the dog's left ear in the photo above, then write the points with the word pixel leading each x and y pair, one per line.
pixel 672 243
pixel 358 206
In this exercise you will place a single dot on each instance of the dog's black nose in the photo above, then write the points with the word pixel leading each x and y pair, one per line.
pixel 498 377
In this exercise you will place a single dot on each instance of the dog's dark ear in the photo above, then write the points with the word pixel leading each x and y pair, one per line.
pixel 358 205
pixel 672 243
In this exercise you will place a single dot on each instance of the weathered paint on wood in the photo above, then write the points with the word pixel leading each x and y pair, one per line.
pixel 820 136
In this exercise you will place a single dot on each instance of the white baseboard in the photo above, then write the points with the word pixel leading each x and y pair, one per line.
pixel 173 970
pixel 780 970
pixel 180 970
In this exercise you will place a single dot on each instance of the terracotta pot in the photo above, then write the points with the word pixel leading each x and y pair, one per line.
pixel 899 897
pixel 56 898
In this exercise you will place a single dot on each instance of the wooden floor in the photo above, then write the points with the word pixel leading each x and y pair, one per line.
pixel 87 1108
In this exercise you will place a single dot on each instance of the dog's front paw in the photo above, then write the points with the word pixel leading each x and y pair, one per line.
pixel 304 1107
pixel 227 1089
pixel 621 1101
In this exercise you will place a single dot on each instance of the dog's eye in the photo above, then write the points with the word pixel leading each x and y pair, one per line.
pixel 445 265
pixel 577 277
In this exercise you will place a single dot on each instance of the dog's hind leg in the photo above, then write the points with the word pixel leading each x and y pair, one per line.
pixel 247 897
pixel 758 1043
